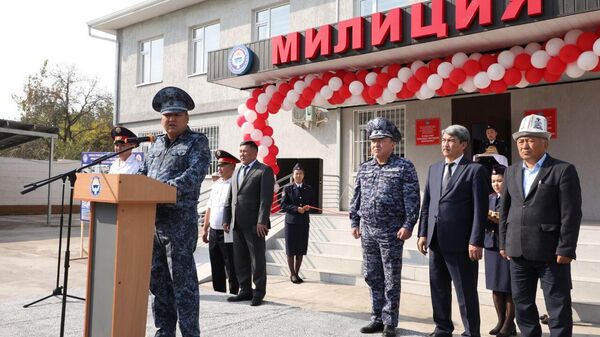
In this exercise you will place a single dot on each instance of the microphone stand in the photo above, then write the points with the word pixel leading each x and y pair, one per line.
pixel 71 175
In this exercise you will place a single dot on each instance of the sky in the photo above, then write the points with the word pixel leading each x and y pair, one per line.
pixel 53 30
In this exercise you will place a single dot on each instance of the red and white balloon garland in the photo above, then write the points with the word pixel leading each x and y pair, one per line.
pixel 573 55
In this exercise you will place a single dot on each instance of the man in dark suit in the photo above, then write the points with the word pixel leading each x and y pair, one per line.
pixel 452 226
pixel 247 213
pixel 540 215
pixel 492 141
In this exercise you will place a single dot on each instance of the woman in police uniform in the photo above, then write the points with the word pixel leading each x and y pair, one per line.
pixel 497 269
pixel 296 202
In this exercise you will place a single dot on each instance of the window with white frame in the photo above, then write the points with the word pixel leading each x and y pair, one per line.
pixel 271 22
pixel 204 40
pixel 368 7
pixel 362 144
pixel 151 60
pixel 212 133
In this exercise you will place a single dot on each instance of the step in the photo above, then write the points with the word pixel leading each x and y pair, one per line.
pixel 586 269
pixel 588 251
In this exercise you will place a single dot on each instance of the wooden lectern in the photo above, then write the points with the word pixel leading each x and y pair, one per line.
pixel 122 214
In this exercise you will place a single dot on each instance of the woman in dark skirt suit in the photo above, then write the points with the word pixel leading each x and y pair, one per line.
pixel 497 271
pixel 297 197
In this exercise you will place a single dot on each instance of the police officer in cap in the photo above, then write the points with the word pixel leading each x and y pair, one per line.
pixel 126 163
pixel 383 212
pixel 179 158
pixel 220 244
pixel 492 143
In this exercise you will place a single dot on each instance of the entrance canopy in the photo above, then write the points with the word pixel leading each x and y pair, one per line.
pixel 16 133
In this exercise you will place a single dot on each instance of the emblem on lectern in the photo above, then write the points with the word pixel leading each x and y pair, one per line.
pixel 95 186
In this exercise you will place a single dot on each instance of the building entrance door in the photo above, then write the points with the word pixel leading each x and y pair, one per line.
pixel 477 112
pixel 313 174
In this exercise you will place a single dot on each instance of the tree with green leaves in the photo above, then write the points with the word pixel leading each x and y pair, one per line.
pixel 61 96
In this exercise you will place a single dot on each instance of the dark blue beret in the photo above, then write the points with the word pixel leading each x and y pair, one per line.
pixel 172 99
pixel 298 166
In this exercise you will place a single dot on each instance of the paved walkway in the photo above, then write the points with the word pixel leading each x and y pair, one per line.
pixel 28 265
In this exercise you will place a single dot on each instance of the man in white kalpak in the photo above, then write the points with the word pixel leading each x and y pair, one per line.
pixel 126 162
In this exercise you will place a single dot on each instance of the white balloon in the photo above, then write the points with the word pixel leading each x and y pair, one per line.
pixel 266 141
pixel 418 95
pixel 573 71
pixel 481 80
pixel 247 127
pixel 468 85
pixel 388 95
pixel 444 69
pixel 242 109
pixel 270 90
pixel 335 83
pixel 394 85
pixel 523 82
pixel 260 108
pixel 587 60
pixel 554 45
pixel 572 35
pixel 299 85
pixel 276 187
pixel 380 101
pixel 263 151
pixel 506 58
pixel 356 88
pixel 308 78
pixel 459 59
pixel 384 69
pixel 540 59
pixel 532 47
pixel 496 71
pixel 416 65
pixel 404 74
pixel 475 56
pixel 256 135
pixel 426 91
pixel 597 47
pixel 326 92
pixel 250 116
pixel 355 100
pixel 435 81
pixel 263 98
pixel 371 78
pixel 319 100
pixel 292 96
pixel 516 50
pixel 287 105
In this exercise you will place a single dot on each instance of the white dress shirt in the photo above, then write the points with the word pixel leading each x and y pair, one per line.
pixel 529 174
pixel 130 166
pixel 216 203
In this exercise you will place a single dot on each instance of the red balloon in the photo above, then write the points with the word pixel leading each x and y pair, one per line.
pixel 361 74
pixel 569 53
pixel 550 77
pixel 523 61
pixel 413 84
pixel 367 98
pixel 512 76
pixel 273 108
pixel 340 73
pixel 383 79
pixel 458 76
pixel 308 94
pixel 316 84
pixel 449 88
pixel 269 160
pixel 275 169
pixel 327 76
pixel 284 88
pixel 486 90
pixel 405 93
pixel 240 120
pixel 486 61
pixel 345 92
pixel 277 98
pixel 375 91
pixel 597 69
pixel 471 67
pixel 534 75
pixel 273 150
pixel 262 116
pixel 498 87
pixel 586 40
pixel 440 92
pixel 267 130
pixel 251 103
pixel 259 123
pixel 376 70
pixel 555 66
pixel 348 78
pixel 293 81
pixel 422 74
pixel 393 69
pixel 256 93
pixel 247 137
pixel 302 103
pixel 433 65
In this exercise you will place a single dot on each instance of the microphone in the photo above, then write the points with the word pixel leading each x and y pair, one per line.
pixel 137 140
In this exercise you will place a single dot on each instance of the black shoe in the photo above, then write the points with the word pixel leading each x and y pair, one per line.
pixel 440 334
pixel 240 297
pixel 372 327
pixel 299 279
pixel 389 331
pixel 294 278
pixel 495 330
pixel 256 301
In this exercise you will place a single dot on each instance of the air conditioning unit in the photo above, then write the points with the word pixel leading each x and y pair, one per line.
pixel 310 116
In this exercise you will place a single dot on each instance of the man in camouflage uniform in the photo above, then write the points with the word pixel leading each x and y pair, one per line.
pixel 383 211
pixel 179 158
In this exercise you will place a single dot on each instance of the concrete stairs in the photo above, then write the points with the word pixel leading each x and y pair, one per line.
pixel 334 256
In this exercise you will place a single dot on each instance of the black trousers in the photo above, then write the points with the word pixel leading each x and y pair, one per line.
pixel 222 265
pixel 456 268
pixel 556 285
pixel 250 262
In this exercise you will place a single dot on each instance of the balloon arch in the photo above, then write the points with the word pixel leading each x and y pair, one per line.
pixel 574 54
